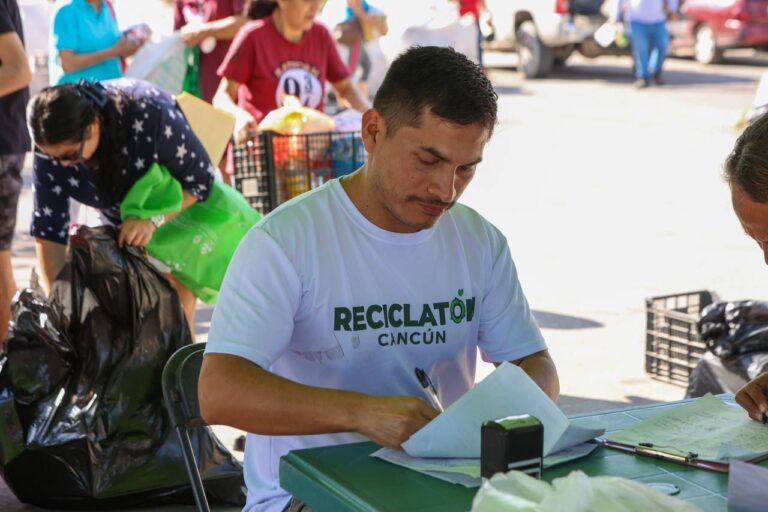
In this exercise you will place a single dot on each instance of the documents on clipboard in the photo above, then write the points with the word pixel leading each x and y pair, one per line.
pixel 706 433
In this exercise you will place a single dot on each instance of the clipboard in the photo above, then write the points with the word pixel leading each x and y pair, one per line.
pixel 686 458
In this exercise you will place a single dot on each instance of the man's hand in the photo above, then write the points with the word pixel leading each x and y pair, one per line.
pixel 136 232
pixel 752 397
pixel 390 420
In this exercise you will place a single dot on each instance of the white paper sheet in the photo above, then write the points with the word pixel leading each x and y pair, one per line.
pixel 507 391
pixel 747 487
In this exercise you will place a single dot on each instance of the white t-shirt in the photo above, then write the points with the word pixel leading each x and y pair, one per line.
pixel 318 294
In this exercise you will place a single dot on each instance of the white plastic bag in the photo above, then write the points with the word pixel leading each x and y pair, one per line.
pixel 518 492
pixel 162 63
pixel 446 28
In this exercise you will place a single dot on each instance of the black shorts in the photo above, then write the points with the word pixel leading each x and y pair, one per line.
pixel 10 188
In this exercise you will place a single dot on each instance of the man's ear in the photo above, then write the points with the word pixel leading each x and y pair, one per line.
pixel 373 126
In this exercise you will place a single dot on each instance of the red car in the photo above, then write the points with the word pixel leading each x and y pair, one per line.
pixel 711 26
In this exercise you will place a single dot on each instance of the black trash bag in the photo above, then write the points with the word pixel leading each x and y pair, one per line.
pixel 84 424
pixel 736 335
pixel 715 375
pixel 734 328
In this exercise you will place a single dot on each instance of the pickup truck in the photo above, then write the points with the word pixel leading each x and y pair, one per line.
pixel 546 32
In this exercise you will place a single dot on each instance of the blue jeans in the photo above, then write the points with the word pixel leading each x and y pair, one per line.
pixel 650 42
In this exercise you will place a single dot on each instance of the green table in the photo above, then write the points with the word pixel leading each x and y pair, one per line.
pixel 341 478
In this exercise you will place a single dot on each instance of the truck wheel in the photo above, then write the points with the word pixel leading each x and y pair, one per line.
pixel 705 48
pixel 535 59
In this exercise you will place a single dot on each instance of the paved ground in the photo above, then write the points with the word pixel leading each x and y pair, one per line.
pixel 607 196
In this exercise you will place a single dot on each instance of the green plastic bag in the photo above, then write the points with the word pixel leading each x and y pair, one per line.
pixel 192 77
pixel 156 193
pixel 198 244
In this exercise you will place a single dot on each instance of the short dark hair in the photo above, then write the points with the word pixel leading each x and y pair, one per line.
pixel 747 165
pixel 439 79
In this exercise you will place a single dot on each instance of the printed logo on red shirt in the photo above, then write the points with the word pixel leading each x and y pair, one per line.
pixel 301 80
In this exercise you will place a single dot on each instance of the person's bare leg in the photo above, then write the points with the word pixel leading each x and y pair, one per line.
pixel 188 303
pixel 7 291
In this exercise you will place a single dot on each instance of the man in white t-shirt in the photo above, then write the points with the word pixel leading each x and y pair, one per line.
pixel 334 298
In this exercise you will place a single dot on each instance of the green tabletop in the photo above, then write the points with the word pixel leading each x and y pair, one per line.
pixel 345 477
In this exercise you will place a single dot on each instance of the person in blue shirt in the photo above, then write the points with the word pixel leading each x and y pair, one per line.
pixel 93 141
pixel 86 42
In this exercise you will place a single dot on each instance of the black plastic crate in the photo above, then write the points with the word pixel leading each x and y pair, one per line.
pixel 270 168
pixel 673 345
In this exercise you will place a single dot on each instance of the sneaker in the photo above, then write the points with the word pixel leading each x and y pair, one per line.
pixel 642 83
pixel 657 80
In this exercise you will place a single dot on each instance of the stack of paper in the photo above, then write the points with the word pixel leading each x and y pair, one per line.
pixel 455 434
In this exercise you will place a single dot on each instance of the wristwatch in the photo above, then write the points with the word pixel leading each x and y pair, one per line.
pixel 157 220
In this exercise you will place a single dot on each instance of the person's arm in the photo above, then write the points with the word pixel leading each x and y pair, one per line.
pixel 236 69
pixel 371 20
pixel 252 327
pixel 138 232
pixel 49 223
pixel 619 14
pixel 187 200
pixel 224 99
pixel 277 406
pixel 541 369
pixel 64 36
pixel 223 29
pixel 752 397
pixel 14 68
pixel 347 91
pixel 71 61
pixel 673 9
pixel 50 257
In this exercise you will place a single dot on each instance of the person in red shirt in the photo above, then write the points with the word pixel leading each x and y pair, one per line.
pixel 214 23
pixel 283 52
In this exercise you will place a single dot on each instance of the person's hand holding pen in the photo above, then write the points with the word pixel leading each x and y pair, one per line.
pixel 394 419
pixel 752 397
pixel 390 420
pixel 429 389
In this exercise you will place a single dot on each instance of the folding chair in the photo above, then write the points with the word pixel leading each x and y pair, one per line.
pixel 180 391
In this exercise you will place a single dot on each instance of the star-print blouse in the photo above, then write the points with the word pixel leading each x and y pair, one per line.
pixel 153 129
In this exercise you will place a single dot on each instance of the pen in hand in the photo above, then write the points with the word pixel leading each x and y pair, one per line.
pixel 429 389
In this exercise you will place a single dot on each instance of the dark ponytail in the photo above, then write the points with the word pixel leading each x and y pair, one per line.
pixel 62 114
pixel 257 9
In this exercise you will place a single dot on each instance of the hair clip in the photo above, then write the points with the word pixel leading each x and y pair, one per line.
pixel 94 91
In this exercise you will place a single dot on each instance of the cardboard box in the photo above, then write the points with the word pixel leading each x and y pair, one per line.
pixel 211 125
